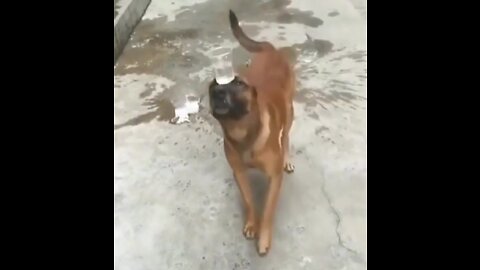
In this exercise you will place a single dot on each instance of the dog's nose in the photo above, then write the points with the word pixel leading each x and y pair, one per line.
pixel 220 93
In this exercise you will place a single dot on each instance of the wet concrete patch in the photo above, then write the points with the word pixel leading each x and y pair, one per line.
pixel 164 53
pixel 179 49
pixel 212 15
pixel 274 11
pixel 318 46
pixel 126 17
pixel 150 87
pixel 176 50
pixel 343 85
pixel 162 110
pixel 304 18
pixel 321 97
pixel 329 78
pixel 118 198
pixel 333 14
pixel 358 56
pixel 309 98
pixel 319 130
pixel 314 115
pixel 335 96
pixel 169 104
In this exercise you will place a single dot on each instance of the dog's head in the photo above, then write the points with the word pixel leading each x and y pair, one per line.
pixel 232 100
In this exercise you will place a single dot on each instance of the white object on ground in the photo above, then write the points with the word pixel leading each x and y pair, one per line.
pixel 182 113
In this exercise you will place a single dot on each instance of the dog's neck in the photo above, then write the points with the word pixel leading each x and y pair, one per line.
pixel 243 131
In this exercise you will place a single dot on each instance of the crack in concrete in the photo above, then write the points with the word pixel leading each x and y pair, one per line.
pixel 338 221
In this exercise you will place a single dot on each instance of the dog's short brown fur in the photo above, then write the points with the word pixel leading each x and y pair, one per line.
pixel 255 111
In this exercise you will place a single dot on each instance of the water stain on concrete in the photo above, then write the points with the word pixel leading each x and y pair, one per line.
pixel 163 111
pixel 118 198
pixel 339 49
pixel 308 98
pixel 341 82
pixel 322 47
pixel 173 49
pixel 319 130
pixel 160 42
pixel 333 14
pixel 335 96
pixel 164 54
pixel 150 87
pixel 275 11
pixel 342 85
pixel 358 56
pixel 314 97
pixel 319 46
pixel 302 17
pixel 314 115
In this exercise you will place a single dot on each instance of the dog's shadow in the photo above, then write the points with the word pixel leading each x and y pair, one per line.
pixel 259 185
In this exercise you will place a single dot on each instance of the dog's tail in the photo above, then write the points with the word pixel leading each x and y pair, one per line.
pixel 246 42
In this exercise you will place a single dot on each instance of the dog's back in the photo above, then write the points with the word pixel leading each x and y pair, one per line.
pixel 271 74
pixel 269 70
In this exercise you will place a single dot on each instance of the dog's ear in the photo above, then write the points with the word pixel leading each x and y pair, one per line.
pixel 213 83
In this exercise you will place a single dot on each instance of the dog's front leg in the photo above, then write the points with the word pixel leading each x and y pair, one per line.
pixel 274 171
pixel 240 174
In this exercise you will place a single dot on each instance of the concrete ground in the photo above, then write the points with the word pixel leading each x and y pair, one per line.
pixel 115 8
pixel 176 205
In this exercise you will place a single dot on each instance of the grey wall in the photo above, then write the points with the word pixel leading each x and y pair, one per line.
pixel 129 14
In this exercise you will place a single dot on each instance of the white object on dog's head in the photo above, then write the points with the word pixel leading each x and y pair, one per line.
pixel 223 65
pixel 224 80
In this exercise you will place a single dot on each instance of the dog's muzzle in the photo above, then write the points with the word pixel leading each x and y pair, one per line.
pixel 220 99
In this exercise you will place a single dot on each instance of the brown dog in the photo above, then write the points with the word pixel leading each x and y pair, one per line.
pixel 255 111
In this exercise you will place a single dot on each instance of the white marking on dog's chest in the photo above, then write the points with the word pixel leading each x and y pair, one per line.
pixel 237 134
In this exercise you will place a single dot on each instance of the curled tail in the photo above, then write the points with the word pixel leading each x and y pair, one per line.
pixel 246 42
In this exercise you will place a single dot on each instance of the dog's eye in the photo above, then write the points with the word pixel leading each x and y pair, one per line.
pixel 238 82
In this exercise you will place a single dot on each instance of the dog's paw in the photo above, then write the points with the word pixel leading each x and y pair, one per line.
pixel 263 244
pixel 289 167
pixel 250 229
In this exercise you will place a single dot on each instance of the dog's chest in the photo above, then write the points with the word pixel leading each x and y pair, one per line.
pixel 247 157
pixel 237 134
